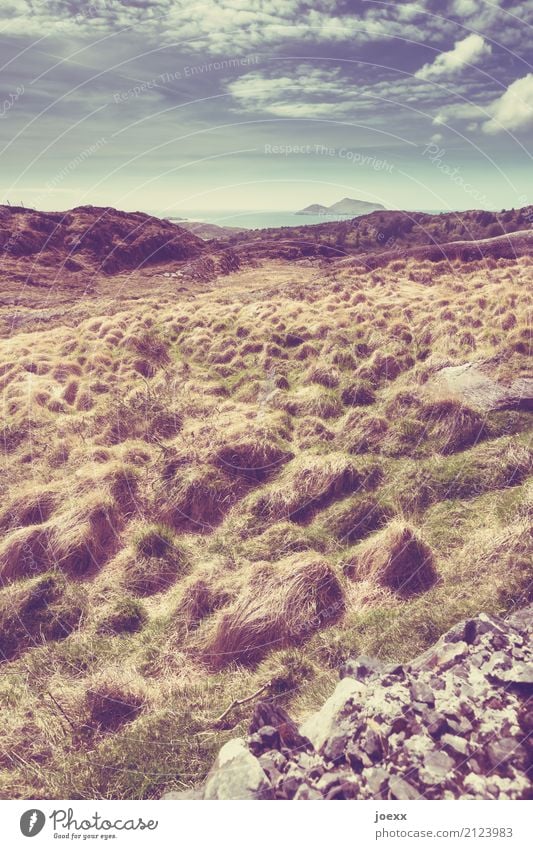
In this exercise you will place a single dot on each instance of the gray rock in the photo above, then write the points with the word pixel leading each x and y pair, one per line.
pixel 361 668
pixel 307 793
pixel 506 750
pixel 236 774
pixel 373 745
pixel 456 744
pixel 422 692
pixel 402 789
pixel 518 673
pixel 320 725
pixel 437 767
pixel 376 779
pixel 477 385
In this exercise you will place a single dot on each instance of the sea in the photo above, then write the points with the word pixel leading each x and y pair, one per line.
pixel 255 220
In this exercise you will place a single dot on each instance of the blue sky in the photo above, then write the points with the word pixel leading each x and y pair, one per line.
pixel 266 104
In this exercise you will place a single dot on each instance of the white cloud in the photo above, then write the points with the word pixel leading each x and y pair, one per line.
pixel 308 92
pixel 454 112
pixel 466 52
pixel 465 8
pixel 514 109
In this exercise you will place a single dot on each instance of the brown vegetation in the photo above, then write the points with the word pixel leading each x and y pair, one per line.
pixel 247 480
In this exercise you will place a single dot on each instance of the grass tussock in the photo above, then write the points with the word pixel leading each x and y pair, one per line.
pixel 397 558
pixel 282 606
pixel 158 559
pixel 111 705
pixel 311 484
pixel 41 609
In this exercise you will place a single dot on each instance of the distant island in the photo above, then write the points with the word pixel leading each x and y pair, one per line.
pixel 346 206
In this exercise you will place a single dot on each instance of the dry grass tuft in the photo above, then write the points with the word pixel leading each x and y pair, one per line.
pixel 398 559
pixel 42 609
pixel 157 561
pixel 254 454
pixel 312 483
pixel 452 425
pixel 198 497
pixel 352 520
pixel 358 394
pixel 111 705
pixel 283 605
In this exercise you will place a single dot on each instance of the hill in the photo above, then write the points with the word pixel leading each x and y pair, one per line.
pixel 94 239
pixel 346 206
pixel 383 232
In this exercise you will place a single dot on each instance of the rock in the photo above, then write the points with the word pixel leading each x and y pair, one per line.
pixel 436 725
pixel 273 764
pixel 453 724
pixel 328 780
pixel 376 779
pixel 307 793
pixel 373 745
pixel 236 774
pixel 269 737
pixel 457 745
pixel 402 789
pixel 183 795
pixel 437 767
pixel 273 717
pixel 477 385
pixel 361 668
pixel 519 673
pixel 525 717
pixel 320 725
pixel 334 748
pixel 291 786
pixel 421 692
pixel 346 790
pixel 507 750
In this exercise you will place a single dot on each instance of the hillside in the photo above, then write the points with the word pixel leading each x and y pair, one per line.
pixel 94 239
pixel 223 480
pixel 380 232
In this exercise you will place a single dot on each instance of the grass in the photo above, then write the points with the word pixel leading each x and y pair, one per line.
pixel 246 485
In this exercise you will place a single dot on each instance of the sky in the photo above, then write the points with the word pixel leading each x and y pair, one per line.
pixel 266 104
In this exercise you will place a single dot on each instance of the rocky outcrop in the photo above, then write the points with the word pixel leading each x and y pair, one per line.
pixel 478 385
pixel 455 723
